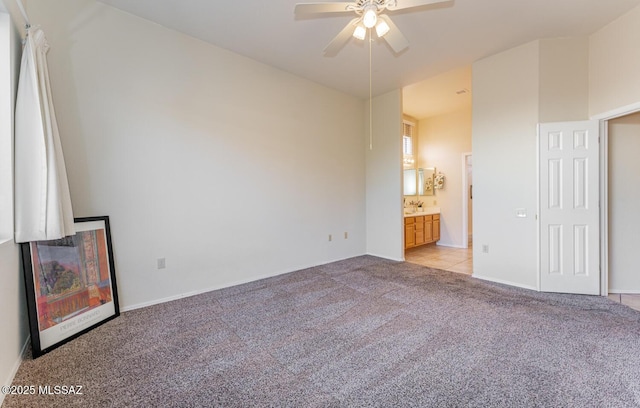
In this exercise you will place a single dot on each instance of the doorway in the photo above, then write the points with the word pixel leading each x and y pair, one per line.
pixel 605 233
pixel 623 179
pixel 605 167
pixel 617 180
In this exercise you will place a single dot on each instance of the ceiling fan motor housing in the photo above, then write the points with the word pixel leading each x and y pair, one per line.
pixel 369 14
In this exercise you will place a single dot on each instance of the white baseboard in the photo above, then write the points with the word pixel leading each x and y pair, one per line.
pixel 504 282
pixel 15 368
pixel 389 258
pixel 193 293
pixel 624 291
pixel 221 286
pixel 450 245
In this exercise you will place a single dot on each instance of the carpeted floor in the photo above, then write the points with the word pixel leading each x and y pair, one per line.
pixel 359 332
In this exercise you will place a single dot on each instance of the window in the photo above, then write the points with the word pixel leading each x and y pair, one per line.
pixel 407 139
pixel 407 143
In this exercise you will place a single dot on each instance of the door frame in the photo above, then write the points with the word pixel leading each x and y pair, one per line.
pixel 465 201
pixel 604 119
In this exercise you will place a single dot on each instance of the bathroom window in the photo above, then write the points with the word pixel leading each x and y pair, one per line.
pixel 407 144
pixel 407 139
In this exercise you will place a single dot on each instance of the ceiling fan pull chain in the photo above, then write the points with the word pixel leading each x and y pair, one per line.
pixel 370 97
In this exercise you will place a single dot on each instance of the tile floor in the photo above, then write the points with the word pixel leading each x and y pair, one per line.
pixel 461 261
pixel 440 257
pixel 633 301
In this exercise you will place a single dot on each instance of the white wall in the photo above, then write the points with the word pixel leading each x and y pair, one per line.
pixel 444 139
pixel 564 79
pixel 542 81
pixel 614 64
pixel 385 225
pixel 228 168
pixel 614 69
pixel 6 130
pixel 505 115
pixel 624 196
pixel 14 333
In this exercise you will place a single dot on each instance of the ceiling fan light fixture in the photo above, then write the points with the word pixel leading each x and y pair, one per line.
pixel 368 14
pixel 360 32
pixel 370 17
pixel 382 28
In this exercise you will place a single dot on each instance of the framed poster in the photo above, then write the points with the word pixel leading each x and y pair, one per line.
pixel 70 284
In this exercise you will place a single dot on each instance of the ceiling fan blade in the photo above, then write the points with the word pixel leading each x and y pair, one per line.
pixel 394 37
pixel 341 39
pixel 317 8
pixel 405 4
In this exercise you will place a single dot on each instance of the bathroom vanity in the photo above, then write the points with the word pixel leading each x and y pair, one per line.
pixel 421 228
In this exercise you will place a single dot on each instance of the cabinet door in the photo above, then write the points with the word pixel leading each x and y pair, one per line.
pixel 409 235
pixel 436 228
pixel 409 232
pixel 419 230
pixel 428 229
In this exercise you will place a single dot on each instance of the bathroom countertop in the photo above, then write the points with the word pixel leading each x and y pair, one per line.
pixel 425 211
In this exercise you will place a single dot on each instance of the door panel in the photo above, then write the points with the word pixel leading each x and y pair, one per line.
pixel 569 213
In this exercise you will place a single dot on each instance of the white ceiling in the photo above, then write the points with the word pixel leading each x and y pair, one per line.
pixel 442 37
pixel 444 93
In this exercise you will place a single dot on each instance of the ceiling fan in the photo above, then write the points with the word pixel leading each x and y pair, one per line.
pixel 370 15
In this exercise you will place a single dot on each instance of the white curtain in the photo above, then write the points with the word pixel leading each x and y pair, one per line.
pixel 42 200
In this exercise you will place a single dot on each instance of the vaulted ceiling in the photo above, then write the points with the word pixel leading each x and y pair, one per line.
pixel 441 37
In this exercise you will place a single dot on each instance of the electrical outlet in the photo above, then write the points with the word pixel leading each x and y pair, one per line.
pixel 346 235
pixel 162 263
pixel 485 249
pixel 330 237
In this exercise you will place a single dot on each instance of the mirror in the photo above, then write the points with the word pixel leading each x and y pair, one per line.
pixel 409 182
pixel 425 180
pixel 419 182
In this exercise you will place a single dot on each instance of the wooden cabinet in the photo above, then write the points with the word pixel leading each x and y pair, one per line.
pixel 420 225
pixel 436 227
pixel 421 229
pixel 409 232
pixel 428 229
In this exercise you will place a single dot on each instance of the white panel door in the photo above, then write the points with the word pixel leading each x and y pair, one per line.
pixel 569 213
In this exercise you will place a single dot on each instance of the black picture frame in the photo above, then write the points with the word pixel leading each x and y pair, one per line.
pixel 70 284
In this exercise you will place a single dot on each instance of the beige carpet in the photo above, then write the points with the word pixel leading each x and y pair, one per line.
pixel 363 332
